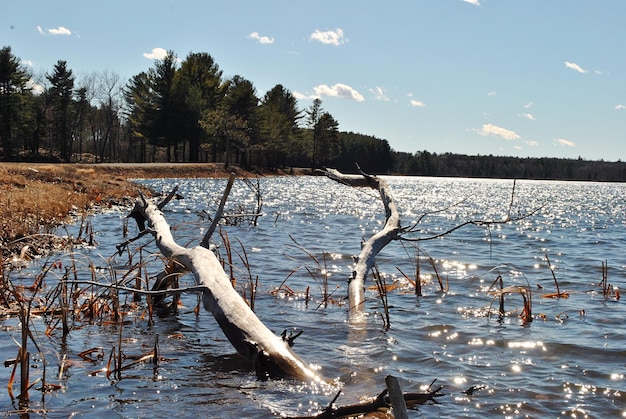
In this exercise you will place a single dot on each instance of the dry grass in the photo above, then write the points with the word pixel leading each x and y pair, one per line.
pixel 36 197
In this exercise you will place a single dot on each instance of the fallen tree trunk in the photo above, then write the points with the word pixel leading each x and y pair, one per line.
pixel 270 354
pixel 371 247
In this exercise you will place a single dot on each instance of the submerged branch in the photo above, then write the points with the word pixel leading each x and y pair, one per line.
pixel 371 247
pixel 139 291
pixel 379 404
pixel 269 353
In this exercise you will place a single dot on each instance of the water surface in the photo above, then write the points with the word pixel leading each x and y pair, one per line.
pixel 569 361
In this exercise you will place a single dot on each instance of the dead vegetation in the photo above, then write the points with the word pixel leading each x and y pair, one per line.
pixel 35 198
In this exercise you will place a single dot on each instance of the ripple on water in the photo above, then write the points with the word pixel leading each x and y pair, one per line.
pixel 567 362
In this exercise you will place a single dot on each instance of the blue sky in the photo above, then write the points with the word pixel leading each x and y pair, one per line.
pixel 527 78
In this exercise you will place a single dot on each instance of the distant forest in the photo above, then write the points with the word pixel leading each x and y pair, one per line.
pixel 186 111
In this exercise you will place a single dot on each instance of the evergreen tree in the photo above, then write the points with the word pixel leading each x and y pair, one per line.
pixel 82 108
pixel 60 95
pixel 165 124
pixel 154 109
pixel 139 111
pixel 13 89
pixel 313 117
pixel 328 138
pixel 242 102
pixel 279 122
pixel 199 89
pixel 227 127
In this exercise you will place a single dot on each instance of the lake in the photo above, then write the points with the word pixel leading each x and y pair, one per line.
pixel 568 361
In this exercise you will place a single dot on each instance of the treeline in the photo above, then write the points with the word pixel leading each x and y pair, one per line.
pixel 186 111
pixel 176 111
pixel 424 163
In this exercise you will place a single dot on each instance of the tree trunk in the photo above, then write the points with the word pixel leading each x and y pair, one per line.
pixel 270 354
pixel 370 248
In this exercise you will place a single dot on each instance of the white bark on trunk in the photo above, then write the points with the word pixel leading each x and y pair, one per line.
pixel 371 247
pixel 272 355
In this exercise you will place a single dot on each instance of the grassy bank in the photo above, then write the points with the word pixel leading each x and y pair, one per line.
pixel 36 197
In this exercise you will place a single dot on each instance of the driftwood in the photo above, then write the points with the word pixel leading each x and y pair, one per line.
pixel 371 247
pixel 396 398
pixel 391 397
pixel 270 354
pixel 392 230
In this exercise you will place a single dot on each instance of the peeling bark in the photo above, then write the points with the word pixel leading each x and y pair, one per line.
pixel 270 354
pixel 371 247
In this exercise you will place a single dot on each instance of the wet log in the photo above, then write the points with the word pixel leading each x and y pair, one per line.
pixel 270 354
pixel 396 398
pixel 371 247
pixel 380 405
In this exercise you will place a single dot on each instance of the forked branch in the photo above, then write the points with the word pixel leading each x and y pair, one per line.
pixel 270 354
pixel 371 247
pixel 393 230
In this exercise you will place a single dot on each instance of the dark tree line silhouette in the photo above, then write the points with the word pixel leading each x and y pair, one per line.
pixel 186 111
pixel 424 163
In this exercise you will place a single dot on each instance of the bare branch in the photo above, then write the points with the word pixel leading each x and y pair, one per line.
pixel 270 355
pixel 192 288
pixel 218 215
pixel 168 198
pixel 472 222
pixel 371 247
pixel 426 214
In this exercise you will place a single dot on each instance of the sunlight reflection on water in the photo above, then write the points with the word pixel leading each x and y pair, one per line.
pixel 567 361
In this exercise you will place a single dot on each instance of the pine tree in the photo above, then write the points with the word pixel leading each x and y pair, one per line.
pixel 60 94
pixel 13 85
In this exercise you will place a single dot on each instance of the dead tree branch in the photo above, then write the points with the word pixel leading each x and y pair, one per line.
pixel 378 405
pixel 270 354
pixel 220 211
pixel 371 247
pixel 480 223
pixel 392 230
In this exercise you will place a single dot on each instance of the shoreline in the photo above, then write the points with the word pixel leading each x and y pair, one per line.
pixel 36 197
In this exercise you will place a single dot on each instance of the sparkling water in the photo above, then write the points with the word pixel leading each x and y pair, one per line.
pixel 569 361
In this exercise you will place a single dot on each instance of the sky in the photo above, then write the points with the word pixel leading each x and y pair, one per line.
pixel 524 78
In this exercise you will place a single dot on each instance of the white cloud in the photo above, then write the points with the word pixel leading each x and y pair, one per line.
pixel 532 143
pixel 59 31
pixel 528 105
pixel 619 107
pixel 528 116
pixel 492 93
pixel 261 39
pixel 328 37
pixel 36 88
pixel 473 2
pixel 379 94
pixel 338 90
pixel 575 67
pixel 417 103
pixel 155 54
pixel 490 129
pixel 54 31
pixel 564 142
